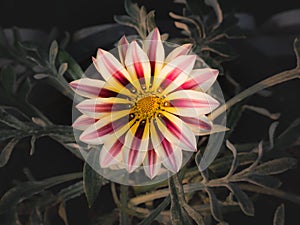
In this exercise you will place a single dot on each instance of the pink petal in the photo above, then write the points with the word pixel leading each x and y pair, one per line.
pixel 98 107
pixel 200 125
pixel 92 88
pixel 122 48
pixel 174 73
pixel 110 152
pixel 155 51
pixel 83 122
pixel 116 123
pixel 190 103
pixel 181 50
pixel 200 78
pixel 136 145
pixel 138 66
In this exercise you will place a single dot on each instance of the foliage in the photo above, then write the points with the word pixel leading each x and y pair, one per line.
pixel 191 197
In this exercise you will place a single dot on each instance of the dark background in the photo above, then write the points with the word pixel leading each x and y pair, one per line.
pixel 74 14
pixel 51 159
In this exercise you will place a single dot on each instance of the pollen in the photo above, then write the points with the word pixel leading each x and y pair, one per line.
pixel 148 106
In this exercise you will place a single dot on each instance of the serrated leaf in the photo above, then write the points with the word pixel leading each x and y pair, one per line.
pixel 53 53
pixel 263 181
pixel 150 21
pixel 152 216
pixel 7 150
pixel 214 205
pixel 27 189
pixel 276 166
pixel 245 203
pixel 131 8
pixel 279 215
pixel 127 21
pixel 92 180
pixel 74 69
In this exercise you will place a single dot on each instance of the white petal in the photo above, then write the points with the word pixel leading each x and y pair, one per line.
pixel 152 164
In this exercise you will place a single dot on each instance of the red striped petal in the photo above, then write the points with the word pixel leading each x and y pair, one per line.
pixel 110 153
pixel 174 73
pixel 83 122
pixel 200 125
pixel 155 51
pixel 138 66
pixel 200 78
pixel 116 123
pixel 190 103
pixel 181 50
pixel 92 88
pixel 122 48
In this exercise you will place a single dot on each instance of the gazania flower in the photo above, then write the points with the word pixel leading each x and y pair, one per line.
pixel 148 108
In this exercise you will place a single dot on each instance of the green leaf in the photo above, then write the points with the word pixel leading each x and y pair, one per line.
pixel 74 69
pixel 27 189
pixel 214 205
pixel 178 214
pixel 279 215
pixel 152 216
pixel 263 181
pixel 53 53
pixel 11 121
pixel 62 69
pixel 6 152
pixel 242 198
pixel 92 180
pixel 276 166
pixel 234 163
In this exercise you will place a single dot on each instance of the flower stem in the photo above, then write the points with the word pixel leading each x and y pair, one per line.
pixel 266 83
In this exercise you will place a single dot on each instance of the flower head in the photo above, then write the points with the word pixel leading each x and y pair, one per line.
pixel 148 107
